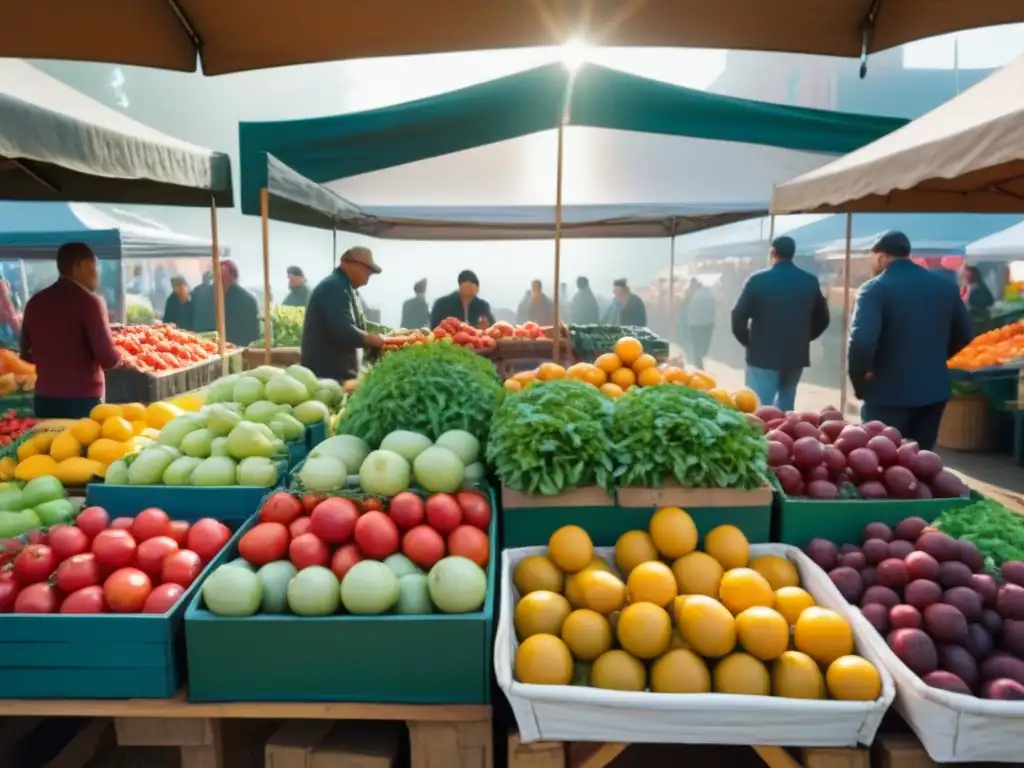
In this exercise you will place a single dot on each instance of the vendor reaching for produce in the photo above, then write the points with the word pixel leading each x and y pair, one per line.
pixel 66 334
pixel 335 326
pixel 906 323
pixel 463 304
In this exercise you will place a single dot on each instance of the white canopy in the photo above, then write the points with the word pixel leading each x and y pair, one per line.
pixel 58 144
pixel 964 156
pixel 1007 245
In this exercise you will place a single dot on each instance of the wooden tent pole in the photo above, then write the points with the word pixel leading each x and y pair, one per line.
pixel 265 220
pixel 558 239
pixel 846 316
pixel 218 288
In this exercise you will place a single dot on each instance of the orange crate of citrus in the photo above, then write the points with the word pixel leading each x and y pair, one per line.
pixel 999 346
pixel 630 366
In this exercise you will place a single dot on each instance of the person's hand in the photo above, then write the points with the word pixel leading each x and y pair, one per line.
pixel 374 340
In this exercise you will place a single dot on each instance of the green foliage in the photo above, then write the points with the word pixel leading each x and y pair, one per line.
pixel 550 437
pixel 996 531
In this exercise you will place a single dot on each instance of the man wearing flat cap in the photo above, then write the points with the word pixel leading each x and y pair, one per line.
pixel 907 322
pixel 335 327
pixel 464 304
pixel 415 311
pixel 298 288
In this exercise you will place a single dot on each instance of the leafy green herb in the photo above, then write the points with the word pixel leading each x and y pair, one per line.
pixel 668 431
pixel 550 437
pixel 996 531
pixel 428 389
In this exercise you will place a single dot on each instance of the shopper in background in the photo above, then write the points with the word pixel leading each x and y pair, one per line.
pixel 584 309
pixel 178 308
pixel 335 326
pixel 416 311
pixel 204 307
pixel 464 304
pixel 66 333
pixel 906 324
pixel 298 288
pixel 536 306
pixel 241 310
pixel 628 308
pixel 697 320
pixel 779 312
pixel 974 292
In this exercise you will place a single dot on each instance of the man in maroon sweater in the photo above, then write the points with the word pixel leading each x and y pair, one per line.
pixel 66 333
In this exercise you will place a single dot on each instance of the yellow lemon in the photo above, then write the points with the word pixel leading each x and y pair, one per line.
pixel 105 411
pixel 65 446
pixel 570 548
pixel 159 414
pixel 85 431
pixel 116 428
pixel 134 411
pixel 673 532
pixel 544 660
pixel 652 582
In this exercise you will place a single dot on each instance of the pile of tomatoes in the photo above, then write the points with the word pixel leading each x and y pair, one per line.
pixel 468 336
pixel 160 347
pixel 98 565
pixel 13 426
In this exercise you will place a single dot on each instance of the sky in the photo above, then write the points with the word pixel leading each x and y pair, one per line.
pixel 206 111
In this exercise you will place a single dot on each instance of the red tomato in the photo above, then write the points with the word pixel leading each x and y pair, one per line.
pixel 343 560
pixel 476 509
pixel 149 524
pixel 469 541
pixel 207 537
pixel 85 600
pixel 181 567
pixel 423 545
pixel 376 535
pixel 126 590
pixel 9 588
pixel 299 527
pixel 264 543
pixel 462 338
pixel 443 513
pixel 333 520
pixel 34 563
pixel 36 537
pixel 152 553
pixel 371 504
pixel 179 532
pixel 163 598
pixel 406 509
pixel 281 508
pixel 114 548
pixel 119 523
pixel 307 550
pixel 310 500
pixel 78 572
pixel 92 520
pixel 37 598
pixel 67 541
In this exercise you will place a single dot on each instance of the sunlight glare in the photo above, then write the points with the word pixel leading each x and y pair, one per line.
pixel 575 53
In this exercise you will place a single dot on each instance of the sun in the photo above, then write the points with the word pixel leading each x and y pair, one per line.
pixel 575 53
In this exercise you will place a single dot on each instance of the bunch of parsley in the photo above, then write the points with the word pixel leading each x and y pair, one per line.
pixel 996 531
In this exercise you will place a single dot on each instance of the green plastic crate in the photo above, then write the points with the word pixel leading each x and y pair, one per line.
pixel 434 659
pixel 529 521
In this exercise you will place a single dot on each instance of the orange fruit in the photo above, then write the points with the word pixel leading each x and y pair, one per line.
pixel 594 375
pixel 612 390
pixel 728 545
pixel 644 630
pixel 644 362
pixel 575 371
pixel 570 548
pixel 852 678
pixel 743 588
pixel 721 396
pixel 796 676
pixel 673 532
pixel 743 674
pixel 524 377
pixel 823 635
pixel 624 378
pixel 762 632
pixel 513 386
pixel 543 659
pixel 778 570
pixel 628 349
pixel 608 362
pixel 632 549
pixel 674 375
pixel 649 377
pixel 651 582
pixel 701 381
pixel 791 602
pixel 745 400
pixel 550 372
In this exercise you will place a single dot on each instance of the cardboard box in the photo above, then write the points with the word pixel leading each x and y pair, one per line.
pixel 591 496
pixel 671 494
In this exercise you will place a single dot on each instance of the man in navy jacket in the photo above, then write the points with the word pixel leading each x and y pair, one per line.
pixel 907 323
pixel 780 311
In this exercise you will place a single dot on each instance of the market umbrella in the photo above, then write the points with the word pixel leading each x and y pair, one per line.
pixel 235 36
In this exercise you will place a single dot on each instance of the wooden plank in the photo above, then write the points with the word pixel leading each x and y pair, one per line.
pixel 96 738
pixel 587 755
pixel 539 754
pixel 293 744
pixel 836 758
pixel 775 757
pixel 451 745
pixel 360 745
pixel 163 732
pixel 901 751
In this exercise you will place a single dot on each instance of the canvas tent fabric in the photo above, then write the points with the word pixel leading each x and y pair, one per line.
pixel 57 144
pixel 640 154
pixel 233 36
pixel 1005 245
pixel 964 156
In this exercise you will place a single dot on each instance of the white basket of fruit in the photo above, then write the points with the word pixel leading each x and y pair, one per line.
pixel 650 681
pixel 948 627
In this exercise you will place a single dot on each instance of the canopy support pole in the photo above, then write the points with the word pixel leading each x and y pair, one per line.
pixel 846 316
pixel 672 324
pixel 771 235
pixel 334 244
pixel 265 221
pixel 218 288
pixel 558 239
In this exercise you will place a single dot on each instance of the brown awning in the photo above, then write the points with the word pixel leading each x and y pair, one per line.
pixel 240 35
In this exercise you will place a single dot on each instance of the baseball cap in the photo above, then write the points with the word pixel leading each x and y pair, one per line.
pixel 892 243
pixel 362 256
pixel 295 272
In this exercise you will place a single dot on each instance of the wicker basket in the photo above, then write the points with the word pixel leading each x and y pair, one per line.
pixel 964 424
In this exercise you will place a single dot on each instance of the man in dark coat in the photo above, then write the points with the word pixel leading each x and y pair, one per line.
pixel 178 309
pixel 204 307
pixel 241 310
pixel 975 293
pixel 536 306
pixel 415 311
pixel 298 288
pixel 779 312
pixel 907 323
pixel 631 308
pixel 335 327
pixel 584 309
pixel 464 304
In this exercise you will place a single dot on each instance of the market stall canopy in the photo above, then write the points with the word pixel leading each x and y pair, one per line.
pixel 964 156
pixel 57 144
pixel 642 158
pixel 234 36
pixel 30 230
pixel 1007 245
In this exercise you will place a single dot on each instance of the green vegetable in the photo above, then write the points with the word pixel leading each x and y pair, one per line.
pixel 175 430
pixel 221 419
pixel 286 326
pixel 215 471
pixel 996 531
pixel 550 437
pixel 197 443
pixel 149 466
pixel 257 471
pixel 668 431
pixel 251 439
pixel 429 389
pixel 180 470
pixel 56 511
pixel 16 523
pixel 247 390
